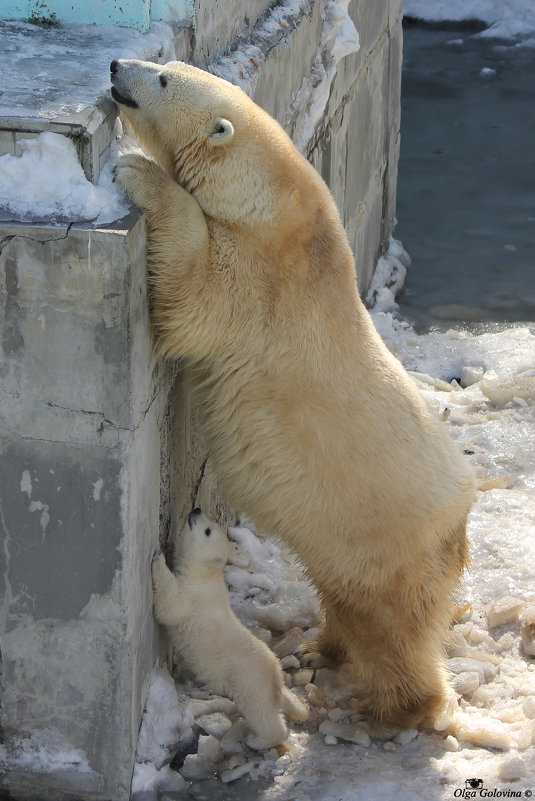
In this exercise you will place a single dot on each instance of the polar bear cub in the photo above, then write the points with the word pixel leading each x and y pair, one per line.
pixel 222 652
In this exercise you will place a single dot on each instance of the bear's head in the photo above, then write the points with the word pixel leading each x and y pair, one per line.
pixel 202 542
pixel 210 136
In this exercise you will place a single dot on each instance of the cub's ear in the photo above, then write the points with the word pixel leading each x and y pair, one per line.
pixel 222 131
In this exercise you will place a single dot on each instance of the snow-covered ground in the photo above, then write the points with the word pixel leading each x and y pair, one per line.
pixel 483 388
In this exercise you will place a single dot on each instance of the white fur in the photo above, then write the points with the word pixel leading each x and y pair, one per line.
pixel 194 606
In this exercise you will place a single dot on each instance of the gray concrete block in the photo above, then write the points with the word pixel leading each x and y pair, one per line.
pixel 80 501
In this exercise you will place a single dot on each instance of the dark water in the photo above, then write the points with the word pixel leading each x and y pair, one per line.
pixel 466 187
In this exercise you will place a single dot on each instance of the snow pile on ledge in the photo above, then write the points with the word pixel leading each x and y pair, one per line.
pixel 506 19
pixel 47 183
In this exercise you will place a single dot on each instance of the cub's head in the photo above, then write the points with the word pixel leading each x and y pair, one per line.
pixel 207 133
pixel 202 542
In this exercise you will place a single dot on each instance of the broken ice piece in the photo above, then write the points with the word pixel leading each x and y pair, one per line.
pixel 236 773
pixel 346 732
pixel 209 748
pixel 405 736
pixel 197 767
pixel 527 629
pixel 216 724
pixel 481 730
pixel 504 390
pixel 504 610
pixel 512 769
pixel 471 375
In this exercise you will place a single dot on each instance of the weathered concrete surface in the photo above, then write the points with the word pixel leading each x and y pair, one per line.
pixel 81 408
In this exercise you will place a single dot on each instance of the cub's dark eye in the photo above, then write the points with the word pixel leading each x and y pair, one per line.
pixel 163 81
pixel 207 531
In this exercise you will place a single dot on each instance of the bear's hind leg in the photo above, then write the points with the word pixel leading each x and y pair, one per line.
pixel 328 647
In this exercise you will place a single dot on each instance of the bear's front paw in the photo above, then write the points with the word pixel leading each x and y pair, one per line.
pixel 139 176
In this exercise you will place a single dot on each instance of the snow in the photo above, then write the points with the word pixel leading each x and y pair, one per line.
pixel 47 183
pixel 507 19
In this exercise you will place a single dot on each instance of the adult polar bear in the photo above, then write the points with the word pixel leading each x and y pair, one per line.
pixel 313 427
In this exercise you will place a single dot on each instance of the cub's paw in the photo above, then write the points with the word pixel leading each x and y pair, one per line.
pixel 139 175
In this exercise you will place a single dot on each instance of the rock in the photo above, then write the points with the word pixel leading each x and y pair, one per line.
pixel 196 767
pixel 481 730
pixel 236 773
pixel 505 610
pixel 289 643
pixel 289 662
pixel 451 743
pixel 406 736
pixel 209 748
pixel 465 683
pixel 512 769
pixel 346 732
pixel 389 746
pixel 315 695
pixel 330 740
pixel 216 724
pixel 527 630
pixel 302 676
pixel 471 375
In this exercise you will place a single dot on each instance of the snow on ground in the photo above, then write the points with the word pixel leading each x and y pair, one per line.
pixel 507 19
pixel 491 414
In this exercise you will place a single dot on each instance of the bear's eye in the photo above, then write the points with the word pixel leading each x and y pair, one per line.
pixel 207 531
pixel 163 81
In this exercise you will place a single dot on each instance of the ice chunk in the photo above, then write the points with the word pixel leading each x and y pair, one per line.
pixel 406 736
pixel 197 767
pixel 504 610
pixel 216 724
pixel 460 664
pixel 512 769
pixel 346 732
pixel 481 730
pixel 471 375
pixel 466 683
pixel 236 773
pixel 503 390
pixel 209 748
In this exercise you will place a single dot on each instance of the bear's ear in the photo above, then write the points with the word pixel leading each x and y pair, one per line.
pixel 223 131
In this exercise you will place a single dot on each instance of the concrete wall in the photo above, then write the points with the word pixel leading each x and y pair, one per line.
pixel 99 449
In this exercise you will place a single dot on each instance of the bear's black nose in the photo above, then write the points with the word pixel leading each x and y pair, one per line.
pixel 193 515
pixel 113 66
